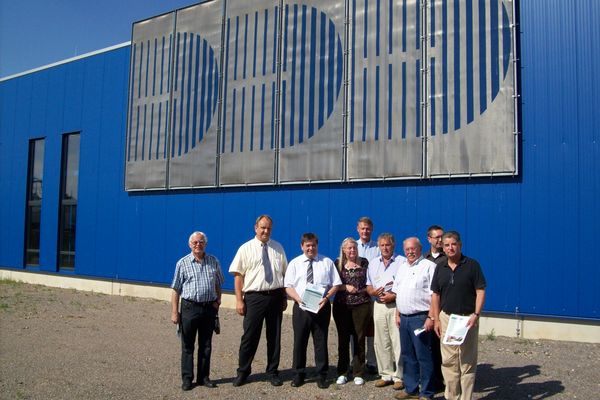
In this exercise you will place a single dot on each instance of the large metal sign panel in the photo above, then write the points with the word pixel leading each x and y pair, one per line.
pixel 249 139
pixel 197 50
pixel 470 88
pixel 312 101
pixel 385 127
pixel 277 92
pixel 146 145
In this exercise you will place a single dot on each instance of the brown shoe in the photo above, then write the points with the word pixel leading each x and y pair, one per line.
pixel 404 395
pixel 382 383
pixel 399 385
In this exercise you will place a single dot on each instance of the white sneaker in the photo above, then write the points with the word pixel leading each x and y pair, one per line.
pixel 359 381
pixel 341 380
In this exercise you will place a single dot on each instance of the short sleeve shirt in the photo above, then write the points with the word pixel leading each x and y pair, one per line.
pixel 198 280
pixel 367 250
pixel 381 276
pixel 324 273
pixel 248 263
pixel 457 289
pixel 412 286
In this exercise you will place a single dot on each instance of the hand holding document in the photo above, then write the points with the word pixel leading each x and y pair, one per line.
pixel 457 330
pixel 312 297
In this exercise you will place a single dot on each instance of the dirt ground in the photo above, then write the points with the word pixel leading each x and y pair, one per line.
pixel 67 344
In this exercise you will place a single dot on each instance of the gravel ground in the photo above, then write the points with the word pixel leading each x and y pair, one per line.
pixel 67 344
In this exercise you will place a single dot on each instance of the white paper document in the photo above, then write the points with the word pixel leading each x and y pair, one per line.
pixel 311 297
pixel 457 330
pixel 418 331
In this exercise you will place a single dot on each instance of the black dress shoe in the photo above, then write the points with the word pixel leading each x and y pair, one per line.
pixel 276 380
pixel 298 381
pixel 322 383
pixel 187 385
pixel 207 383
pixel 239 380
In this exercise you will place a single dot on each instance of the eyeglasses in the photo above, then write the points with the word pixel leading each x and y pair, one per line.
pixel 197 242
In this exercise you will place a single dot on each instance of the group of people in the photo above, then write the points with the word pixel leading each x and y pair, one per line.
pixel 403 303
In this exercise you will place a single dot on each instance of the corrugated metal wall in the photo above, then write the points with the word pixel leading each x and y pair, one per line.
pixel 534 235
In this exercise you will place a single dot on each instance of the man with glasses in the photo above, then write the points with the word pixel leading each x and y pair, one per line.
pixel 197 283
pixel 436 250
pixel 258 268
pixel 458 287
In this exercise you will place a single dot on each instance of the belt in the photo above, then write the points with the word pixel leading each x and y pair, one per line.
pixel 265 292
pixel 199 304
pixel 415 314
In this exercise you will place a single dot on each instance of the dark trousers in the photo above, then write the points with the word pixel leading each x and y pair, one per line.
pixel 196 320
pixel 416 356
pixel 351 323
pixel 306 323
pixel 261 307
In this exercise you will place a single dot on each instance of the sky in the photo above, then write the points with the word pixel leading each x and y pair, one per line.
pixel 34 33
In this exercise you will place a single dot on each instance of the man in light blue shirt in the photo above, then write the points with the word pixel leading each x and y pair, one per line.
pixel 380 280
pixel 368 249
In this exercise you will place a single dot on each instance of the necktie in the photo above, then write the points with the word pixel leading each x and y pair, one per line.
pixel 267 264
pixel 309 272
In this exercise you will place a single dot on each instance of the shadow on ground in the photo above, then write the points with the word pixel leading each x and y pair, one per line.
pixel 509 383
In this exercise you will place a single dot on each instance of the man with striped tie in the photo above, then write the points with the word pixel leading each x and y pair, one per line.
pixel 314 272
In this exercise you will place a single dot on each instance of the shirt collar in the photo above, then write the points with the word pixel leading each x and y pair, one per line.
pixel 417 261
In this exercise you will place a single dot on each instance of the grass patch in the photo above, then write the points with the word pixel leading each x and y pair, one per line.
pixel 491 335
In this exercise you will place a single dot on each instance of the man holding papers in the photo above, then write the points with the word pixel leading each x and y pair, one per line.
pixel 380 279
pixel 413 302
pixel 459 291
pixel 310 281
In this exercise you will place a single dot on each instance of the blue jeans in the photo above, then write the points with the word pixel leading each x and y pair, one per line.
pixel 416 356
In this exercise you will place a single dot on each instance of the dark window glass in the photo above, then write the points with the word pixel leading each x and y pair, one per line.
pixel 35 177
pixel 68 201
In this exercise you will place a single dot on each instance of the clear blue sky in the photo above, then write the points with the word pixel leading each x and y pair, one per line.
pixel 34 33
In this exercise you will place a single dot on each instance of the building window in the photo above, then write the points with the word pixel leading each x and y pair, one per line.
pixel 35 177
pixel 69 183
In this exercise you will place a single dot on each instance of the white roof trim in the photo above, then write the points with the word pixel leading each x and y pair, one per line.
pixel 104 50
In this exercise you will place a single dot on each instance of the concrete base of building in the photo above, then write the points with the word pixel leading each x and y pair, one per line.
pixel 517 326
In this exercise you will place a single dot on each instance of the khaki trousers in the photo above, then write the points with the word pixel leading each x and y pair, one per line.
pixel 459 363
pixel 387 342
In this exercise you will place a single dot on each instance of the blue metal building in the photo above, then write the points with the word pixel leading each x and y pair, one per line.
pixel 533 232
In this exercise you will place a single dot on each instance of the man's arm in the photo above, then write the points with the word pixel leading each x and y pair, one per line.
pixel 292 294
pixel 479 300
pixel 174 306
pixel 435 313
pixel 238 284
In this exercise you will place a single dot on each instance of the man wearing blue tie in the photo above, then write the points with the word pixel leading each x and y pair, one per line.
pixel 258 268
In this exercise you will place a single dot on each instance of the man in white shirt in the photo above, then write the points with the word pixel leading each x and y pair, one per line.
pixel 314 271
pixel 380 280
pixel 258 269
pixel 413 304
